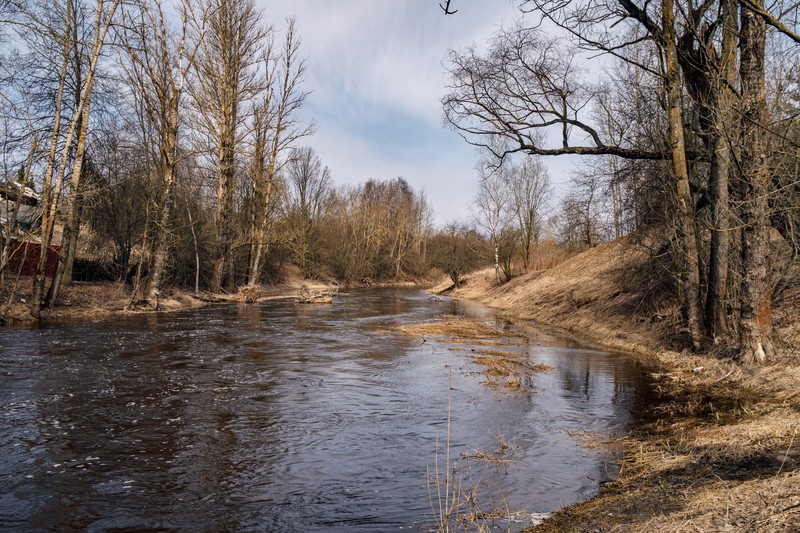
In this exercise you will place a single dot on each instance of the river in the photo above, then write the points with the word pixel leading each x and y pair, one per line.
pixel 286 417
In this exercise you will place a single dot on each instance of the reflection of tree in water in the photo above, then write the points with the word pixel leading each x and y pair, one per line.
pixel 598 379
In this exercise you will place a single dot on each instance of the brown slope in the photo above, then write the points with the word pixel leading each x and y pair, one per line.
pixel 723 450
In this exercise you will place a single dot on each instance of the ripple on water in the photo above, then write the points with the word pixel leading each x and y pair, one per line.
pixel 286 417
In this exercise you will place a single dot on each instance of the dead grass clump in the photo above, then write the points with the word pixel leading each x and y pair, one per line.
pixel 503 354
pixel 594 440
pixel 493 456
pixel 457 329
pixel 499 366
pixel 309 296
pixel 509 374
pixel 250 293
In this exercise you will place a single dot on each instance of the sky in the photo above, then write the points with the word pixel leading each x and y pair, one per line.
pixel 376 76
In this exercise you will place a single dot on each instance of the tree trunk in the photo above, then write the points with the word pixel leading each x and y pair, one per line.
pixel 70 237
pixel 260 230
pixel 225 206
pixel 50 190
pixel 721 126
pixel 690 282
pixel 162 241
pixel 496 262
pixel 196 251
pixel 755 320
pixel 164 216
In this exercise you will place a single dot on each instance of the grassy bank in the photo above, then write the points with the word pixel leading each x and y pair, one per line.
pixel 721 453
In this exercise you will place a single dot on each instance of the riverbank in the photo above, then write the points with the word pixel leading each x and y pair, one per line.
pixel 94 300
pixel 721 453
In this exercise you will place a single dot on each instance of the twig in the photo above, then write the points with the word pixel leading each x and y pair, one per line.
pixel 725 376
pixel 786 455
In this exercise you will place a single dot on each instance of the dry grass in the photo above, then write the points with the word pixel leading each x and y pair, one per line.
pixel 507 370
pixel 594 440
pixel 458 328
pixel 573 296
pixel 77 300
pixel 721 451
pixel 501 367
pixel 502 354
pixel 493 456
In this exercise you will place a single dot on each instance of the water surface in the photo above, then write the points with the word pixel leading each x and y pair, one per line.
pixel 285 417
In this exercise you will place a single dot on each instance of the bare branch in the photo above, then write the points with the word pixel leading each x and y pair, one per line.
pixel 446 8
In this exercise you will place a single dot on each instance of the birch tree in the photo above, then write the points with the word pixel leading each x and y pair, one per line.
pixel 77 132
pixel 104 17
pixel 493 201
pixel 51 183
pixel 159 58
pixel 532 191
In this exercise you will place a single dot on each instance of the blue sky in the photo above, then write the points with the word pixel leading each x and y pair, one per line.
pixel 376 76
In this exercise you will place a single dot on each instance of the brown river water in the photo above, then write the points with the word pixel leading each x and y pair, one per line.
pixel 286 417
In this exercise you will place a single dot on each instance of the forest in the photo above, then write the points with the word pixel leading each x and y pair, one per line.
pixel 161 144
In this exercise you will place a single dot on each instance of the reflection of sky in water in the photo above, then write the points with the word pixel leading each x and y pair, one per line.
pixel 286 417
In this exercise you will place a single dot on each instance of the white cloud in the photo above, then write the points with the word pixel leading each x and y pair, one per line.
pixel 375 69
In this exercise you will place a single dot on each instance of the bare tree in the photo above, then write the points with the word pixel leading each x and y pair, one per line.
pixel 226 80
pixel 530 185
pixel 456 250
pixel 527 89
pixel 408 225
pixel 159 60
pixel 710 77
pixel 376 230
pixel 118 215
pixel 310 187
pixel 494 201
pixel 756 320
pixel 492 214
pixel 275 130
pixel 686 229
pixel 104 15
pixel 52 184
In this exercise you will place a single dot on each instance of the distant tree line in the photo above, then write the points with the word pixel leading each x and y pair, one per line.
pixel 164 139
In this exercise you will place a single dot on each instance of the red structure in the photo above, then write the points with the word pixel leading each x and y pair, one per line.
pixel 25 255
